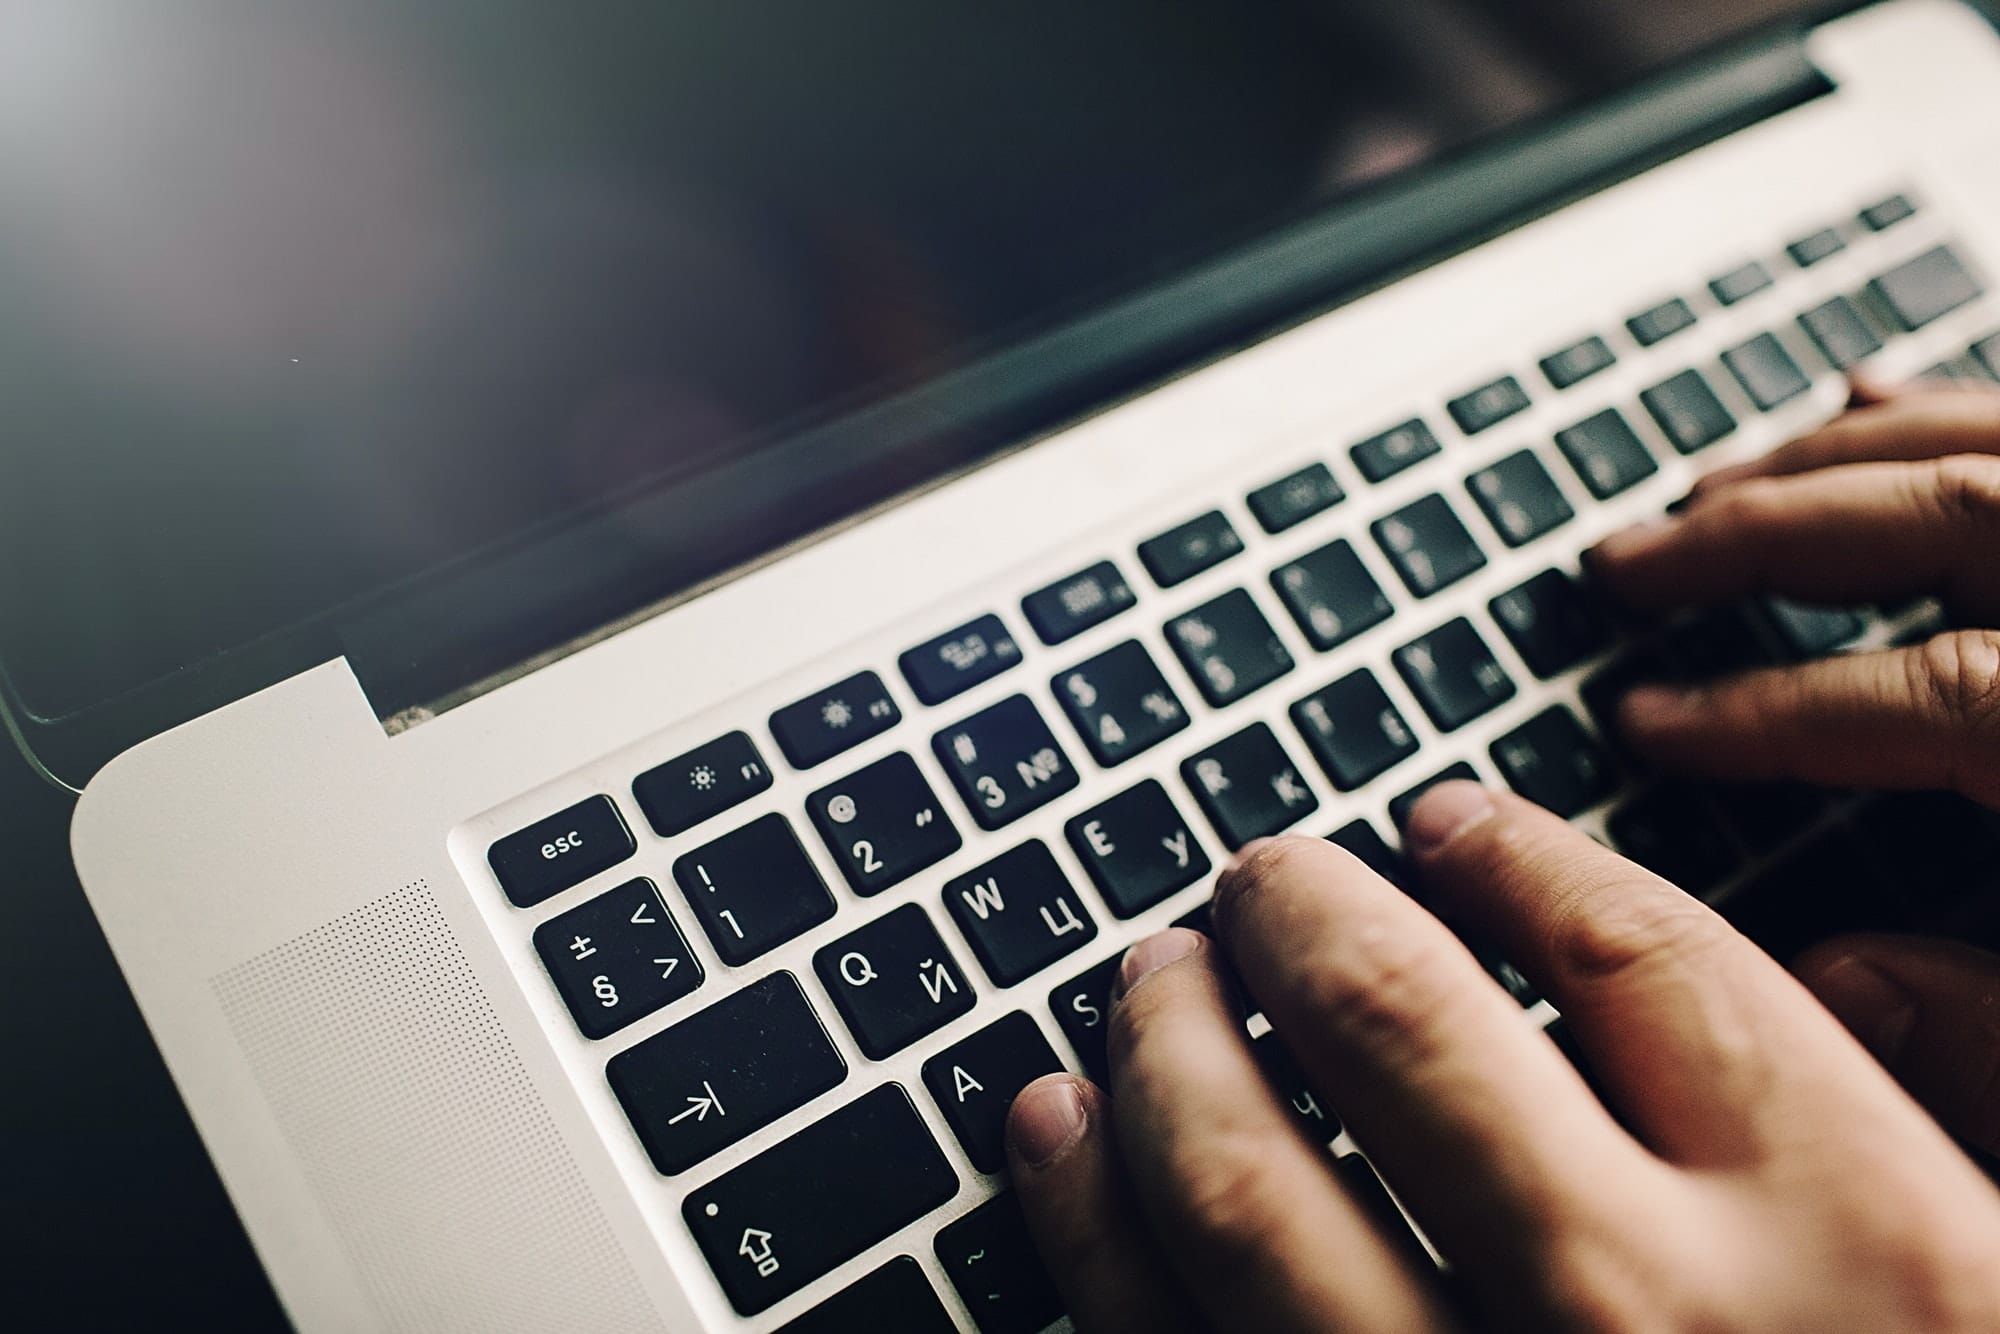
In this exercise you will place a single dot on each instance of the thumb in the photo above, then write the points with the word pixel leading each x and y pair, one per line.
pixel 1930 1012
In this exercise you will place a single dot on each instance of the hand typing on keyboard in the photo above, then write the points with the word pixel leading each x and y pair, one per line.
pixel 1761 1171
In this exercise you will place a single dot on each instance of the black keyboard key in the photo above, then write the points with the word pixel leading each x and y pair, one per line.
pixel 1005 762
pixel 1019 913
pixel 1380 457
pixel 974 1082
pixel 882 824
pixel 1554 763
pixel 1081 1006
pixel 821 726
pixel 954 662
pixel 1519 498
pixel 1228 648
pixel 1353 730
pixel 1661 322
pixel 1606 454
pixel 1812 632
pixel 1671 832
pixel 1331 595
pixel 1119 703
pixel 1553 621
pixel 1886 214
pixel 1428 545
pixel 1360 838
pixel 1740 284
pixel 753 889
pixel 1810 250
pixel 1578 362
pixel 1606 687
pixel 1068 607
pixel 1719 642
pixel 1136 848
pixel 701 784
pixel 561 851
pixel 1923 290
pixel 991 1259
pixel 1453 675
pixel 810 1203
pixel 617 958
pixel 724 1072
pixel 1247 786
pixel 1281 1068
pixel 1488 405
pixel 895 1297
pixel 1840 332
pixel 1689 412
pixel 1766 371
pixel 1401 806
pixel 1292 500
pixel 893 981
pixel 1179 554
pixel 1988 352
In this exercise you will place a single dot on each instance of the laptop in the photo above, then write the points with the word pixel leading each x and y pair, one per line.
pixel 643 601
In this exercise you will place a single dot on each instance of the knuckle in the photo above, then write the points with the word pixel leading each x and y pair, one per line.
pixel 1967 489
pixel 1390 991
pixel 1601 936
pixel 1960 674
pixel 1232 1198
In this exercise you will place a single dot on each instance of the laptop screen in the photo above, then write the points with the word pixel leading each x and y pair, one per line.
pixel 301 298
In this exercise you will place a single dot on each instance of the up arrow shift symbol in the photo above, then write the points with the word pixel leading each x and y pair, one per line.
pixel 756 1244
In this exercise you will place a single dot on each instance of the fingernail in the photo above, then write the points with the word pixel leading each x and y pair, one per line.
pixel 1445 812
pixel 1656 706
pixel 1047 1118
pixel 1152 954
pixel 1873 1007
pixel 1635 541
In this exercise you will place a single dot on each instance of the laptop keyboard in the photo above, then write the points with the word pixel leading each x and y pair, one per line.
pixel 754 1043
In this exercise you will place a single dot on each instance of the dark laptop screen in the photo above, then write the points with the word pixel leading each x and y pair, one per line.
pixel 299 298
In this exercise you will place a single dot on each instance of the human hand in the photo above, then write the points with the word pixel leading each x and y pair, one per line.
pixel 1773 1177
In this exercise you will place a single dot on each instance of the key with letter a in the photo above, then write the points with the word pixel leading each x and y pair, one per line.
pixel 974 1082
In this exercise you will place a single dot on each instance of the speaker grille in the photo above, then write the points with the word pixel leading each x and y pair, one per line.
pixel 420 1131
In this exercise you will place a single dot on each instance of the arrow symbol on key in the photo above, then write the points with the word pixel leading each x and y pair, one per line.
pixel 698 1107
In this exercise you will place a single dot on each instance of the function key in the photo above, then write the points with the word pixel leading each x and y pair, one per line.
pixel 701 784
pixel 959 659
pixel 1519 498
pixel 1766 371
pixel 1400 807
pixel 1081 1006
pixel 1606 454
pixel 1689 412
pixel 1004 762
pixel 842 716
pixel 1740 284
pixel 1840 332
pixel 564 850
pixel 724 1072
pixel 1488 405
pixel 1380 457
pixel 1136 848
pixel 882 824
pixel 1292 500
pixel 1926 288
pixel 1331 595
pixel 1018 912
pixel 617 958
pixel 1453 675
pixel 1428 545
pixel 753 889
pixel 1353 730
pixel 1553 622
pixel 897 1296
pixel 893 981
pixel 1228 648
pixel 1578 362
pixel 1068 607
pixel 1179 554
pixel 974 1082
pixel 1247 786
pixel 812 1202
pixel 1661 322
pixel 1810 250
pixel 991 1259
pixel 1881 217
pixel 1554 763
pixel 1119 703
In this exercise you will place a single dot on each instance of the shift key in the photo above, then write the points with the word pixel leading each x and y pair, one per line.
pixel 815 1201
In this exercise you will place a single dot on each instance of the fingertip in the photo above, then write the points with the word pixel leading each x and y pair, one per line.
pixel 1650 709
pixel 1152 954
pixel 1048 1118
pixel 1634 543
pixel 1444 813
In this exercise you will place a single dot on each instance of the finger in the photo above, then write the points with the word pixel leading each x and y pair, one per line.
pixel 1930 1011
pixel 1093 1240
pixel 1858 533
pixel 1921 717
pixel 1247 1208
pixel 1901 425
pixel 1486 1133
pixel 1718 1057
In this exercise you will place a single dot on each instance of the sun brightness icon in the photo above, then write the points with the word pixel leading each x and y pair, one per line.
pixel 701 778
pixel 836 713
